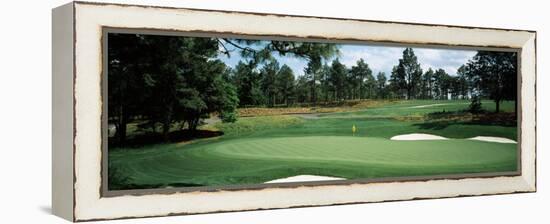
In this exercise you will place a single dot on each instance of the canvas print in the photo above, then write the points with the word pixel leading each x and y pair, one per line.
pixel 213 111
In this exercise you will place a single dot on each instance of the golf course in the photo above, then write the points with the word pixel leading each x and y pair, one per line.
pixel 208 111
pixel 352 143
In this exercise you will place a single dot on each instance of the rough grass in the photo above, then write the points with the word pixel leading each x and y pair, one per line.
pixel 252 124
pixel 349 105
pixel 419 108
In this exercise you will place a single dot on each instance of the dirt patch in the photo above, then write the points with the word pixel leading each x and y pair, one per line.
pixel 344 106
pixel 253 112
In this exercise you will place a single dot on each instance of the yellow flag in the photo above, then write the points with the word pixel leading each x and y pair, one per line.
pixel 353 129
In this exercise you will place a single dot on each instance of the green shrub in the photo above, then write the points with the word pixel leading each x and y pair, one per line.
pixel 229 116
pixel 475 105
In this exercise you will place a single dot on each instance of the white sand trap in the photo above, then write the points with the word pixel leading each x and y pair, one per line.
pixel 303 178
pixel 429 105
pixel 493 139
pixel 417 136
pixel 434 105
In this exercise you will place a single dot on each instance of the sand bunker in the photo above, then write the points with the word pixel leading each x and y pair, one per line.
pixel 429 105
pixel 417 136
pixel 303 178
pixel 434 105
pixel 493 139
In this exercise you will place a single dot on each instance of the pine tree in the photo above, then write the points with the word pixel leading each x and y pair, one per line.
pixel 381 82
pixel 285 84
pixel 361 73
pixel 495 74
pixel 408 73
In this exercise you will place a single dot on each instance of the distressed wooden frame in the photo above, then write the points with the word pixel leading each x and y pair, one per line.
pixel 77 192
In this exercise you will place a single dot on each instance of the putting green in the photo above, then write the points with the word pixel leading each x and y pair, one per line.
pixel 372 151
pixel 257 160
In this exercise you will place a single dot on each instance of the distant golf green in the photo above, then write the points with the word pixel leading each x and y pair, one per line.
pixel 255 150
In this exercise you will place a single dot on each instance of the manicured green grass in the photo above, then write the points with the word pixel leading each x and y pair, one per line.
pixel 258 149
pixel 257 160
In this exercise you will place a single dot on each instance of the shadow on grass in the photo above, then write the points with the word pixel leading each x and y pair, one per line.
pixel 116 187
pixel 441 120
pixel 151 138
pixel 120 179
pixel 433 125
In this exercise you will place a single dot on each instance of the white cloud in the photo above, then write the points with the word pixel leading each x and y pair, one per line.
pixel 382 58
pixel 446 59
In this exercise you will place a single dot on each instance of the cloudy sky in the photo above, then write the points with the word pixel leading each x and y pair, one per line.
pixel 379 58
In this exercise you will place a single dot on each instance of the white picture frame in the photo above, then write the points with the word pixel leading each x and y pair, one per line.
pixel 78 28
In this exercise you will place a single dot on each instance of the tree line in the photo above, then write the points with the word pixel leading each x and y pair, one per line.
pixel 488 75
pixel 167 81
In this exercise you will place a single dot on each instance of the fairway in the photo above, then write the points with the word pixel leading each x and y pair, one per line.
pixel 256 150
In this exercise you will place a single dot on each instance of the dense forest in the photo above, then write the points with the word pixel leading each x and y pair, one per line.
pixel 163 81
